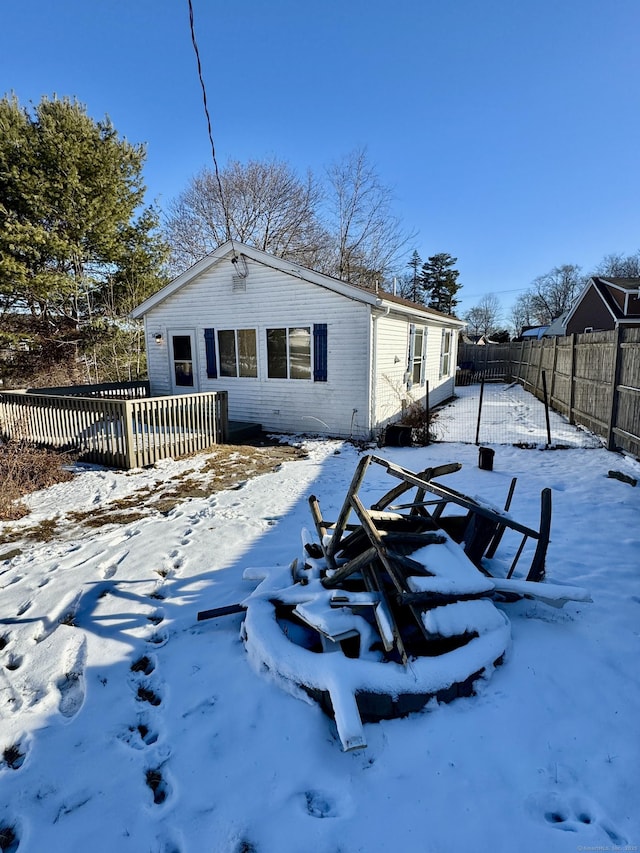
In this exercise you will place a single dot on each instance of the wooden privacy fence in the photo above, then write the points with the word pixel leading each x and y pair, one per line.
pixel 593 379
pixel 120 433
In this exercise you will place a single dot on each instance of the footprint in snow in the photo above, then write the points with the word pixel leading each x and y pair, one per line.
pixel 14 662
pixel 140 735
pixel 156 780
pixel 71 684
pixel 319 804
pixel 575 813
pixel 109 569
pixel 146 694
pixel 13 756
pixel 9 837
pixel 23 608
pixel 144 664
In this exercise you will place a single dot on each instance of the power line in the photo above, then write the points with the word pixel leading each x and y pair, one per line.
pixel 206 112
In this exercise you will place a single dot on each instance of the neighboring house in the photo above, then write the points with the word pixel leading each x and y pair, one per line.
pixel 605 304
pixel 558 327
pixel 297 351
pixel 533 333
pixel 476 340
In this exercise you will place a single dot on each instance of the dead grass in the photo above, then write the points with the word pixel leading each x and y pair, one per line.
pixel 25 469
pixel 225 467
pixel 44 531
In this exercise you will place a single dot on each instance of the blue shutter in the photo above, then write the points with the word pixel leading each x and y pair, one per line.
pixel 210 344
pixel 319 352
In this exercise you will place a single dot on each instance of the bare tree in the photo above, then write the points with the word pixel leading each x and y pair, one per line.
pixel 484 318
pixel 522 313
pixel 617 265
pixel 266 205
pixel 367 235
pixel 553 293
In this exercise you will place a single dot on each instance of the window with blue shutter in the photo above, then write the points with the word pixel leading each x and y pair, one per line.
pixel 210 345
pixel 319 352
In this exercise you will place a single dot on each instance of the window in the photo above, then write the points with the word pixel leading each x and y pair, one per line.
pixel 238 352
pixel 289 353
pixel 445 353
pixel 419 338
pixel 417 349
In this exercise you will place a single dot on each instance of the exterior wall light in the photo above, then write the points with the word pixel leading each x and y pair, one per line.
pixel 158 337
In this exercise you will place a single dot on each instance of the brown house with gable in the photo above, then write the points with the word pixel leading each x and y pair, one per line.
pixel 605 304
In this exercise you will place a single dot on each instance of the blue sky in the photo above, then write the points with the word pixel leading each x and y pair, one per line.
pixel 509 130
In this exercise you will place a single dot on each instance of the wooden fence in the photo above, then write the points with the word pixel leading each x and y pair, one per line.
pixel 120 433
pixel 593 379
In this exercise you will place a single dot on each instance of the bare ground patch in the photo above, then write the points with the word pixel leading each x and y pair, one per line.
pixel 224 467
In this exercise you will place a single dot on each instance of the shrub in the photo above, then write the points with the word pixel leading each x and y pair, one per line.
pixel 421 423
pixel 24 469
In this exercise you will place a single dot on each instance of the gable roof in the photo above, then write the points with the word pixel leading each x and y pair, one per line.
pixel 621 297
pixel 233 249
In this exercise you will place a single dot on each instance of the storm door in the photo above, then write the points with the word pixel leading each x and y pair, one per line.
pixel 184 373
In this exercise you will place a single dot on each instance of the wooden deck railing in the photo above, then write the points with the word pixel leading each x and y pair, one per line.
pixel 120 433
pixel 115 390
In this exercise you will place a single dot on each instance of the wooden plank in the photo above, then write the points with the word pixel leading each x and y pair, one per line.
pixel 385 620
pixel 493 545
pixel 450 495
pixel 391 566
pixel 343 516
pixel 354 565
pixel 226 610
pixel 537 569
pixel 321 528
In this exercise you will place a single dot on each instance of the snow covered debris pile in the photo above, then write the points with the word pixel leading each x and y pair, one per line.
pixel 393 610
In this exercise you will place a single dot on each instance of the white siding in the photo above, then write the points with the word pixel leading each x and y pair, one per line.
pixel 272 299
pixel 391 391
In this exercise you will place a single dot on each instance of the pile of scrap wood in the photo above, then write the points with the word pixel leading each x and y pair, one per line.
pixel 393 605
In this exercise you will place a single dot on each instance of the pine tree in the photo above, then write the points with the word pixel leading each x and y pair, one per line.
pixel 440 282
pixel 414 263
pixel 71 224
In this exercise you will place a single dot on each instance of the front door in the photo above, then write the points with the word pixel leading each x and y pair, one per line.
pixel 184 369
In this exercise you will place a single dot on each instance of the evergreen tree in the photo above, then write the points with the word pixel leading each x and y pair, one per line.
pixel 440 282
pixel 72 230
pixel 414 262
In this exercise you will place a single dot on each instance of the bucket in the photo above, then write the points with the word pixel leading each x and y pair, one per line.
pixel 485 458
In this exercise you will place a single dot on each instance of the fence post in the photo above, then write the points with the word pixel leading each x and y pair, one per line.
pixel 546 406
pixel 480 410
pixel 615 381
pixel 572 378
pixel 126 413
pixel 553 369
pixel 536 390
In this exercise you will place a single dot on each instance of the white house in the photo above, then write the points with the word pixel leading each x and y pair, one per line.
pixel 296 350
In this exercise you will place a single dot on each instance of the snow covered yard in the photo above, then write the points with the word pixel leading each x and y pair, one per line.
pixel 126 725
